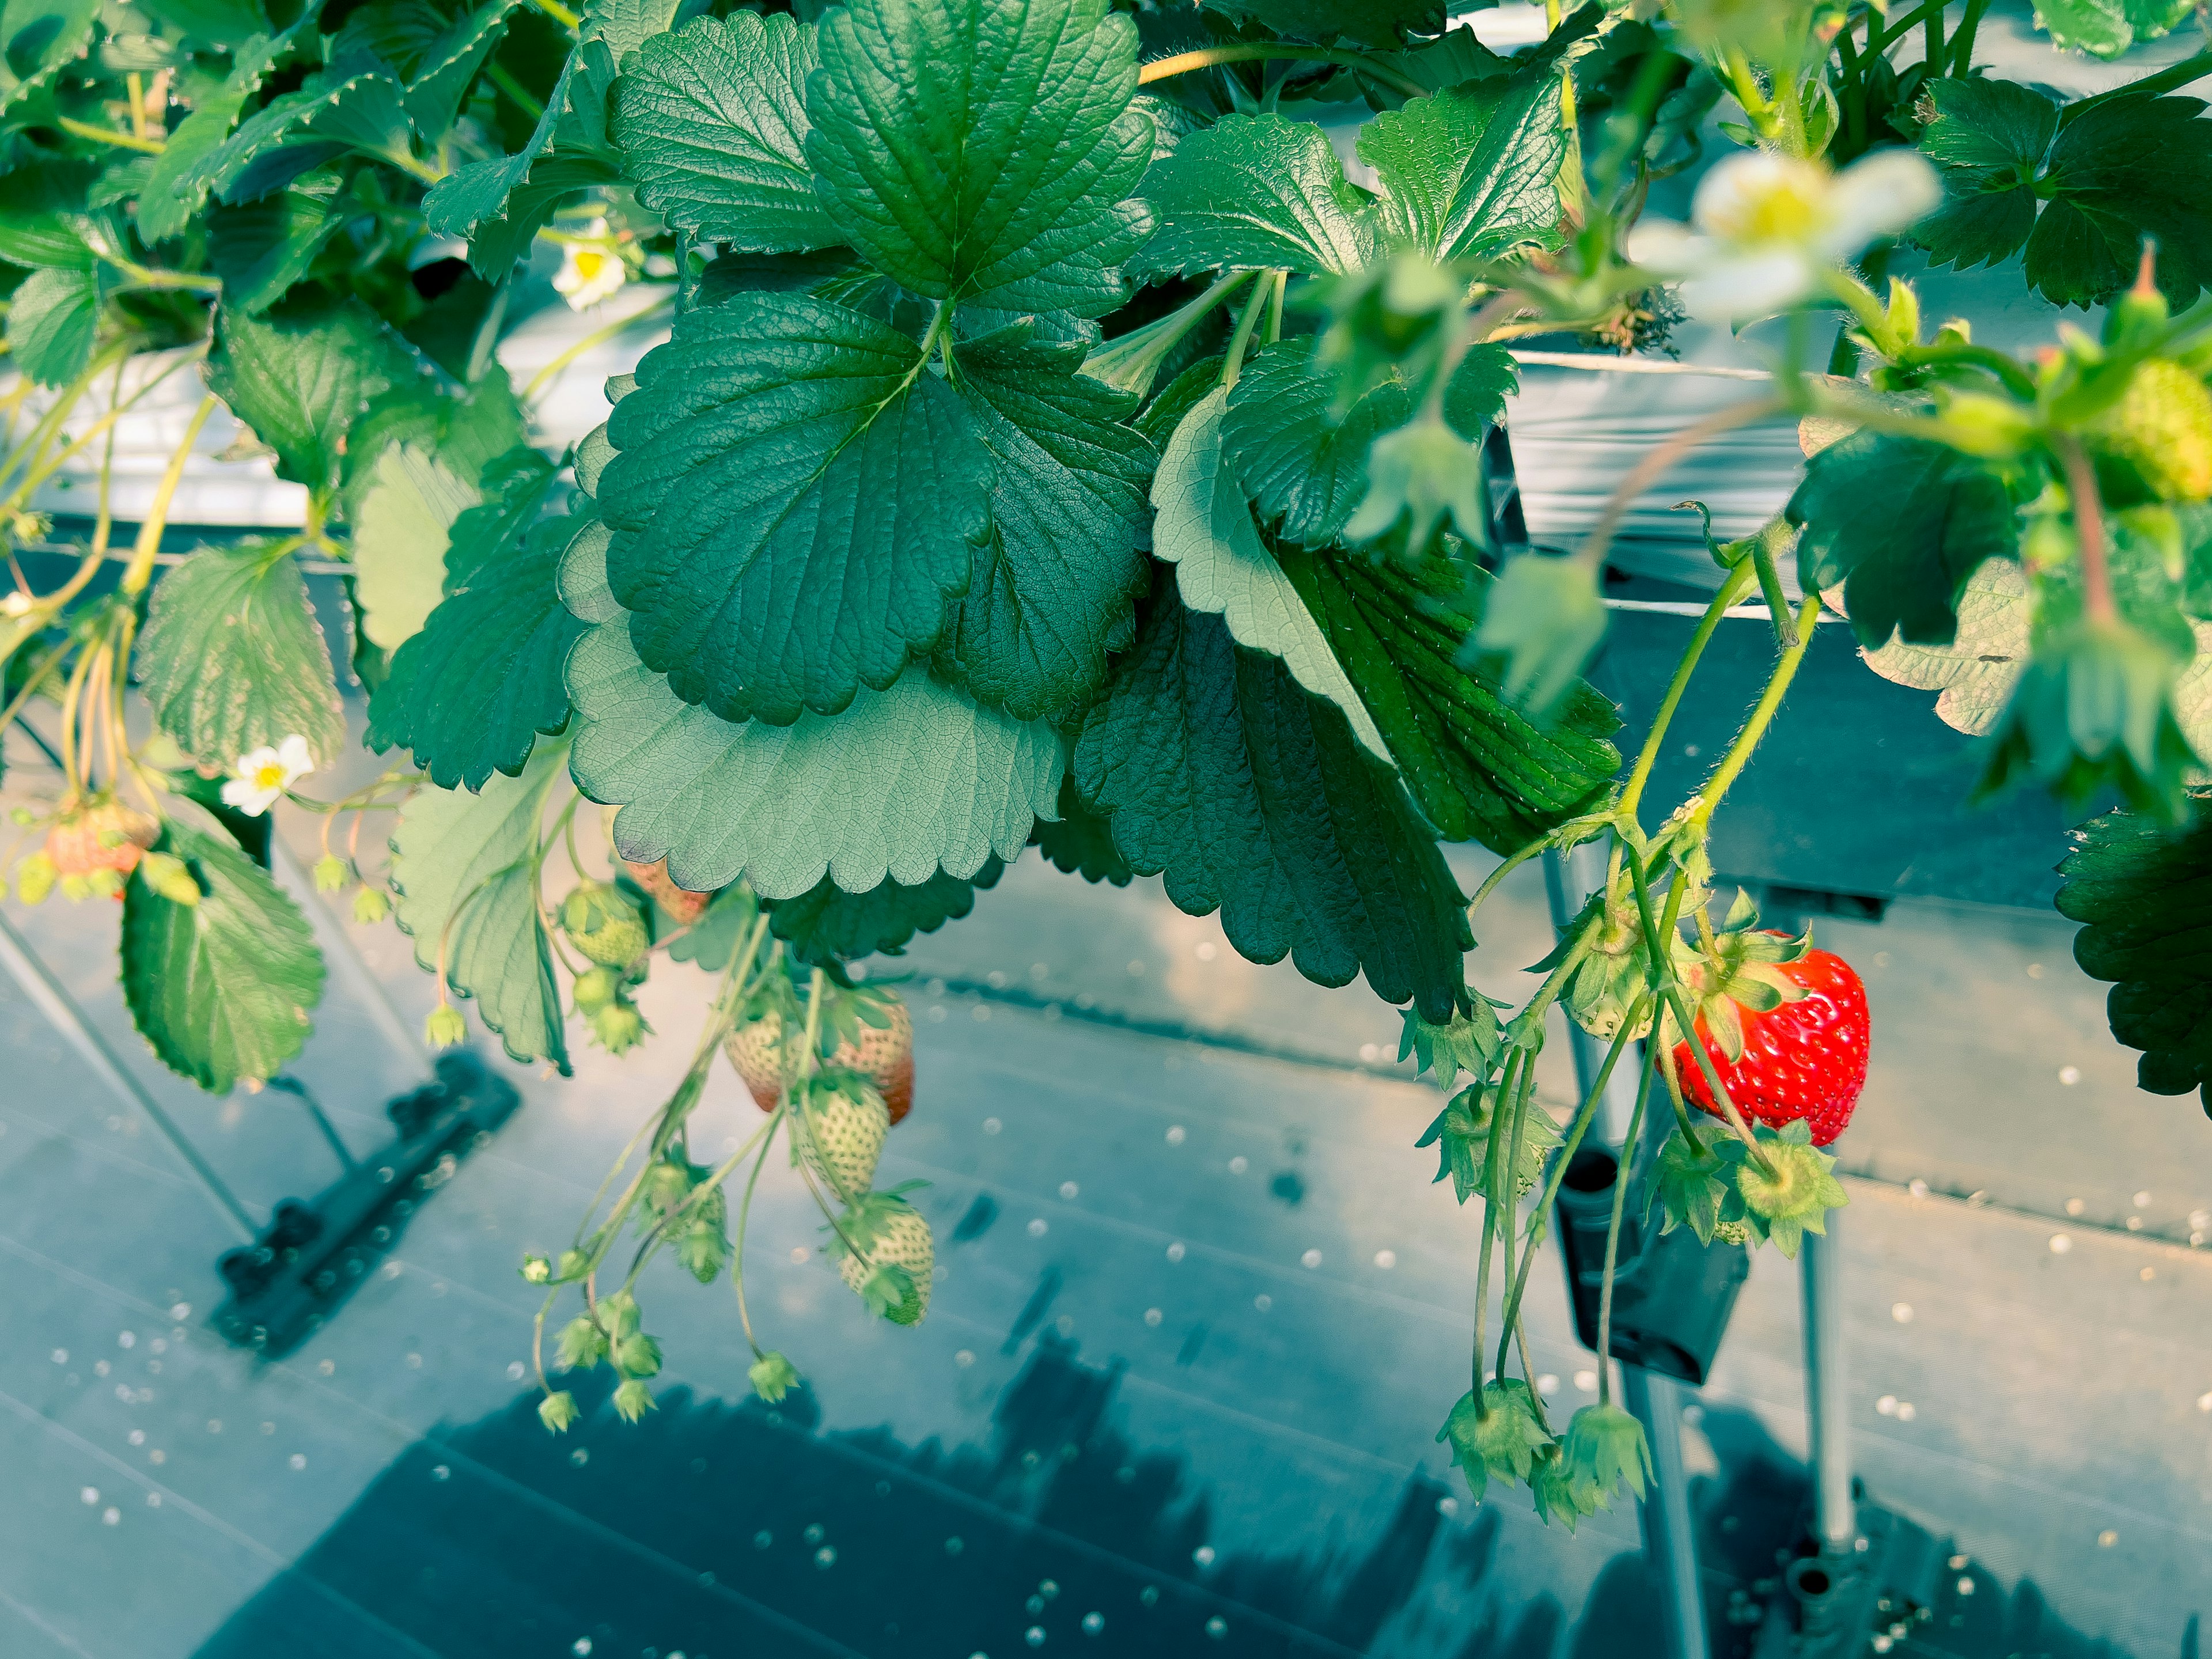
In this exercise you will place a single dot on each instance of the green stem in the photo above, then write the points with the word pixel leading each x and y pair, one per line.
pixel 1762 715
pixel 738 1245
pixel 1508 1194
pixel 1275 51
pixel 1731 588
pixel 1962 43
pixel 2097 605
pixel 1506 1083
pixel 597 337
pixel 109 136
pixel 1620 1178
pixel 1255 307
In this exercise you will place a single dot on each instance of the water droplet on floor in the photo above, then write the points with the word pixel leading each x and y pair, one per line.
pixel 992 1125
pixel 2148 1275
pixel 2060 1243
pixel 1547 1384
pixel 1047 1590
pixel 965 1358
pixel 1037 1228
pixel 1153 1316
pixel 1216 1627
pixel 1177 1134
pixel 1034 1636
pixel 414 1361
pixel 2205 1401
pixel 516 1371
pixel 110 1516
pixel 1175 1251
pixel 1136 970
pixel 2070 1075
pixel 1386 1259
pixel 2143 1201
pixel 1068 1189
pixel 126 1339
pixel 825 1558
pixel 181 1311
pixel 1310 1259
pixel 1203 1555
pixel 299 1460
pixel 1237 1165
pixel 1906 1413
pixel 953 1546
pixel 1369 1054
pixel 1263 1302
pixel 1586 1382
pixel 1204 950
pixel 813 1534
pixel 1887 1405
pixel 61 1356
pixel 137 1437
pixel 1093 1623
pixel 2106 1539
pixel 582 1648
pixel 90 1494
pixel 579 1456
pixel 1901 1312
pixel 1150 1595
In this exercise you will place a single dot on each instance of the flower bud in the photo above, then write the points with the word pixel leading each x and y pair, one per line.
pixel 596 989
pixel 444 1027
pixel 35 877
pixel 633 1399
pixel 331 873
pixel 167 875
pixel 557 1411
pixel 370 906
pixel 537 1270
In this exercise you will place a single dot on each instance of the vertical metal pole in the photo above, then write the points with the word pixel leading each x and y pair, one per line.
pixel 1656 1402
pixel 1670 1530
pixel 1835 1511
pixel 61 1011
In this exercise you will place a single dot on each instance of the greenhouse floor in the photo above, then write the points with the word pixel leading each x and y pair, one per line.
pixel 1200 1313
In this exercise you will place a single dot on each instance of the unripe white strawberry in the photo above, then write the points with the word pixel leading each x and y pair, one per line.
pixel 888 1232
pixel 680 902
pixel 604 924
pixel 756 1050
pixel 839 1130
pixel 883 1054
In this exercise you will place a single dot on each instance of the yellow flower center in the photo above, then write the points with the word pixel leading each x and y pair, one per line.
pixel 270 776
pixel 590 262
pixel 1789 207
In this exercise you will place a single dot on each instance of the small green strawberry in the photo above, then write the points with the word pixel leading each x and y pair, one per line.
pixel 2155 443
pixel 603 922
pixel 1604 1447
pixel 331 873
pixel 581 1345
pixel 1796 1198
pixel 557 1411
pixel 891 1257
pixel 634 1399
pixel 597 988
pixel 370 906
pixel 773 1376
pixel 444 1027
pixel 618 1027
pixel 840 1131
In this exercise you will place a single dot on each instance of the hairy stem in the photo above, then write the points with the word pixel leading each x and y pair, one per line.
pixel 1506 1083
pixel 1509 1195
pixel 1620 1178
pixel 1731 588
pixel 2088 530
pixel 737 1244
pixel 1762 716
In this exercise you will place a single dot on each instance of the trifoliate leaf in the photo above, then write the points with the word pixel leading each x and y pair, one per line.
pixel 233 660
pixel 1901 524
pixel 45 214
pixel 470 693
pixel 221 989
pixel 1478 767
pixel 712 124
pixel 1055 586
pixel 1363 22
pixel 260 248
pixel 1256 190
pixel 1081 842
pixel 2143 895
pixel 2115 171
pixel 1503 1436
pixel 826 924
pixel 984 153
pixel 1472 172
pixel 1252 798
pixel 1202 526
pixel 300 375
pixel 51 319
pixel 471 862
pixel 908 780
pixel 795 502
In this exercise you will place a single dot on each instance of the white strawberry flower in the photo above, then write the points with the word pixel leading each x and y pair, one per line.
pixel 592 269
pixel 1764 229
pixel 266 773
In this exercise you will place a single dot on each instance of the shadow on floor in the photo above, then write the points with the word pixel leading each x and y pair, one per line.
pixel 720 1531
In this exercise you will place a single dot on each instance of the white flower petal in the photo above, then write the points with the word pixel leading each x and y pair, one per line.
pixel 295 757
pixel 1878 195
pixel 1730 197
pixel 247 798
pixel 1668 249
pixel 1751 285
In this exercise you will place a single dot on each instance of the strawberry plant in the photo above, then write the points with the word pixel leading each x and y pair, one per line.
pixel 1057 444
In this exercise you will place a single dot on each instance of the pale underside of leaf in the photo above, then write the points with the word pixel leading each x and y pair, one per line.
pixel 909 781
pixel 1255 191
pixel 1202 524
pixel 399 541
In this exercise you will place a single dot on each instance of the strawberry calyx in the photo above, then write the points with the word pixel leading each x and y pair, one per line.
pixel 1501 1432
pixel 1734 969
pixel 1795 1199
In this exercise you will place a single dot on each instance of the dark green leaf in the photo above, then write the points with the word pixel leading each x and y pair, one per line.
pixel 52 319
pixel 1362 22
pixel 796 500
pixel 1477 767
pixel 1472 172
pixel 463 198
pixel 438 78
pixel 470 693
pixel 300 375
pixel 627 25
pixel 360 88
pixel 712 124
pixel 38 39
pixel 2143 895
pixel 177 188
pixel 1256 190
pixel 216 25
pixel 830 925
pixel 1902 524
pixel 233 658
pixel 2105 28
pixel 984 151
pixel 1252 798
pixel 2127 169
pixel 1081 841
pixel 261 248
pixel 221 989
pixel 472 861
pixel 1055 585
pixel 44 214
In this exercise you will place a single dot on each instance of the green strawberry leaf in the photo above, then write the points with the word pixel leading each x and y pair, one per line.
pixel 983 154
pixel 221 989
pixel 261 248
pixel 354 103
pixel 1902 524
pixel 712 121
pixel 1988 139
pixel 467 196
pixel 1055 584
pixel 51 319
pixel 2106 29
pixel 627 25
pixel 2144 894
pixel 232 658
pixel 778 446
pixel 1203 527
pixel 168 201
pixel 1472 172
pixel 466 869
pixel 1976 672
pixel 1080 841
pixel 908 780
pixel 439 74
pixel 45 214
pixel 1480 768
pixel 411 500
pixel 301 374
pixel 42 38
pixel 471 692
pixel 1216 770
pixel 826 924
pixel 1362 22
pixel 1255 189
pixel 714 939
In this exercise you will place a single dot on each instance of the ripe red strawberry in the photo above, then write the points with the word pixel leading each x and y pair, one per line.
pixel 883 1054
pixel 1806 1059
pixel 680 902
pixel 101 833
